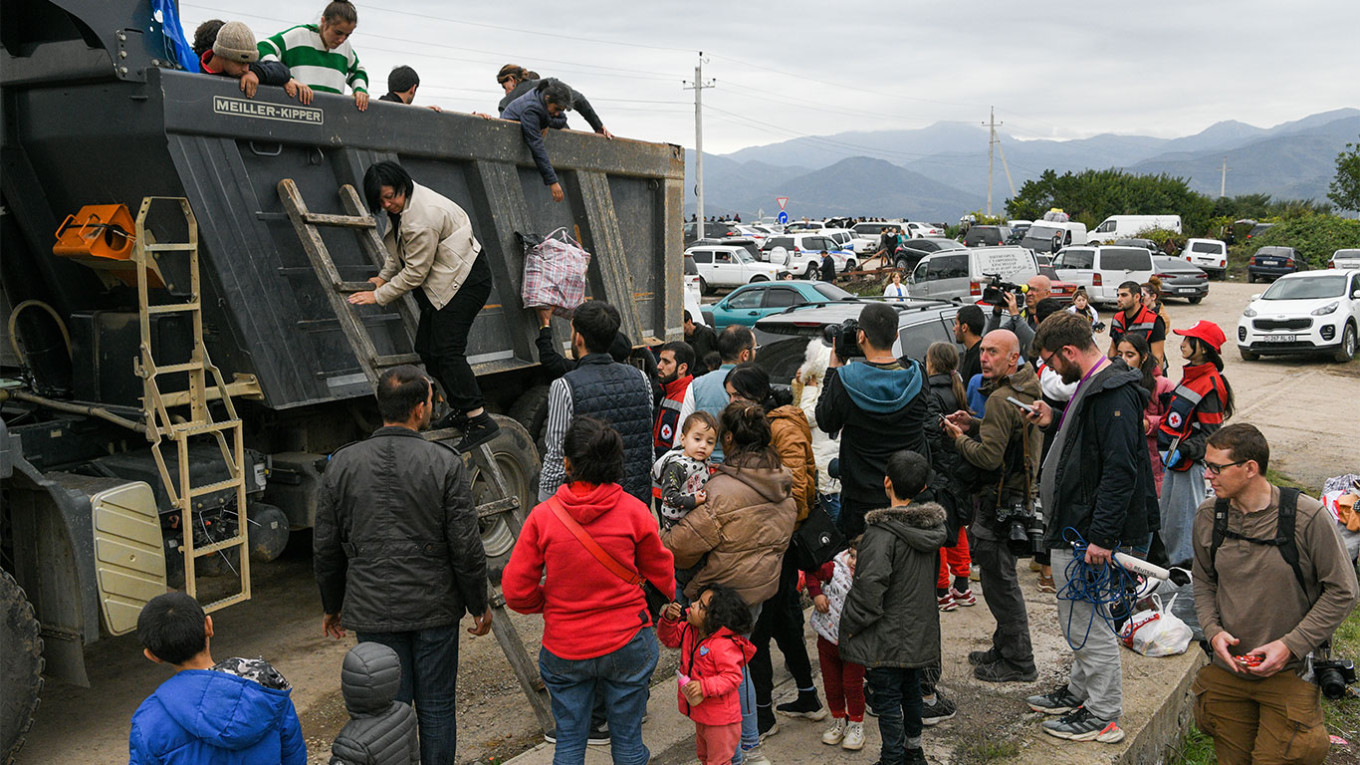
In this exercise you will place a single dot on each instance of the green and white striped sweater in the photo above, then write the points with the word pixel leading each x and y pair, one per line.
pixel 302 51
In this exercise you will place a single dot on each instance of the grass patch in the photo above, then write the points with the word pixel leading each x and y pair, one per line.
pixel 1280 479
pixel 1196 749
pixel 984 750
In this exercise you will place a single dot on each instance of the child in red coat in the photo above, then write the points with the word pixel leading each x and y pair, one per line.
pixel 712 654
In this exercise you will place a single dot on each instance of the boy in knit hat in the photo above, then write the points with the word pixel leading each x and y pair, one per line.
pixel 233 54
pixel 320 56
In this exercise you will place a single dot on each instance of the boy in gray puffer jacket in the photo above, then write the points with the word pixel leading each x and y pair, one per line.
pixel 381 730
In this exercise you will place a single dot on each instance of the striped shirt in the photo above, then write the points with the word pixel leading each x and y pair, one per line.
pixel 303 52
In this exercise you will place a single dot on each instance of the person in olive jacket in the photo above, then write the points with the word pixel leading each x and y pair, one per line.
pixel 398 554
pixel 890 622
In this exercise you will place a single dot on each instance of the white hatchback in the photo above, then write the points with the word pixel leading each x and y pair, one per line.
pixel 1309 312
pixel 1210 255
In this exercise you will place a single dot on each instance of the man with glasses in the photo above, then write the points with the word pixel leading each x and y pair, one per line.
pixel 1096 480
pixel 1267 599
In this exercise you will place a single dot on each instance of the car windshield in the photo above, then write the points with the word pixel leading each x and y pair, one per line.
pixel 1309 288
pixel 743 255
pixel 832 292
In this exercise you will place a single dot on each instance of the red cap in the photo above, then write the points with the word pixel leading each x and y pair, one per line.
pixel 1206 331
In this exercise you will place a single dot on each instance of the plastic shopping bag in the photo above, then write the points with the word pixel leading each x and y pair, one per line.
pixel 1156 631
pixel 555 273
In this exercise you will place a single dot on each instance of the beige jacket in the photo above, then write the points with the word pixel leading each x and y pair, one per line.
pixel 434 249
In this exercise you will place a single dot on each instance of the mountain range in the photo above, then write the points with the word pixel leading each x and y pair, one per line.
pixel 940 172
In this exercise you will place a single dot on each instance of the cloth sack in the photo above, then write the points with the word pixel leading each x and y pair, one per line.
pixel 1156 631
pixel 554 272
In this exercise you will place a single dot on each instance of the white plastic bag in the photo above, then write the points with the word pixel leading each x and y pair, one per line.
pixel 1157 631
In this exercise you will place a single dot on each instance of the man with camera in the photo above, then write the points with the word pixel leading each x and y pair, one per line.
pixel 877 403
pixel 1007 312
pixel 1000 466
pixel 1272 583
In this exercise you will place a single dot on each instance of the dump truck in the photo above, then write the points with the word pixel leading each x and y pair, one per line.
pixel 179 358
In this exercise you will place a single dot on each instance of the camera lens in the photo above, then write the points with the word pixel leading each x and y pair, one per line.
pixel 1333 684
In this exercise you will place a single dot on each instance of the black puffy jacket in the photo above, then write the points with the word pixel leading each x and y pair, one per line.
pixel 396 547
pixel 381 730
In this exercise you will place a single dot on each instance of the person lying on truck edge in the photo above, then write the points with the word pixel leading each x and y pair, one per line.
pixel 402 83
pixel 232 53
pixel 543 107
pixel 517 81
pixel 320 56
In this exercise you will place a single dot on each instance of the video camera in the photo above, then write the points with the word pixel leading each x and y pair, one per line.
pixel 995 290
pixel 843 338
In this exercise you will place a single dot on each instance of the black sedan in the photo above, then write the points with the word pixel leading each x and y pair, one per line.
pixel 1180 279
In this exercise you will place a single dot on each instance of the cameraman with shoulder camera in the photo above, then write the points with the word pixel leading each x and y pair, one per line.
pixel 1266 599
pixel 1007 313
pixel 1001 468
pixel 878 404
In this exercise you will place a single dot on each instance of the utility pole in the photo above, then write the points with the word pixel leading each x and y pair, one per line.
pixel 1223 180
pixel 991 147
pixel 698 86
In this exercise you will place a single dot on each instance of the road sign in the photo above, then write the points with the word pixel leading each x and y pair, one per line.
pixel 783 217
pixel 782 201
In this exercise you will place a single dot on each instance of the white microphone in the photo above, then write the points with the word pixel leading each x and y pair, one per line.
pixel 1139 566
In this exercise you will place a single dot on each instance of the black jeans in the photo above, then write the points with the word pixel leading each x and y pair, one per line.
pixel 442 337
pixel 897 700
pixel 429 677
pixel 1001 590
pixel 781 618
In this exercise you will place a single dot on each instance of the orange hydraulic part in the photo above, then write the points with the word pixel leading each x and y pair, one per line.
pixel 101 237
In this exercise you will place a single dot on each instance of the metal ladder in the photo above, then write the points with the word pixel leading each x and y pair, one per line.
pixel 159 425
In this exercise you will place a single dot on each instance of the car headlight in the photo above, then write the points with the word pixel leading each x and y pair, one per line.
pixel 1250 313
pixel 1326 309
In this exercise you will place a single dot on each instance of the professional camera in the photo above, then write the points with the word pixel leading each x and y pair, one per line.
pixel 1333 675
pixel 1024 528
pixel 844 338
pixel 994 291
pixel 1098 326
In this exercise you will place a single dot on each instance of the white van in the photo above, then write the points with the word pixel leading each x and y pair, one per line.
pixel 1210 255
pixel 964 273
pixel 1044 236
pixel 1100 270
pixel 1128 226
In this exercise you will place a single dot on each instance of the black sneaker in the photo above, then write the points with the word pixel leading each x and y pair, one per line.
pixel 597 736
pixel 455 419
pixel 916 756
pixel 1058 701
pixel 806 705
pixel 1081 725
pixel 943 709
pixel 1004 672
pixel 479 430
pixel 766 723
pixel 988 656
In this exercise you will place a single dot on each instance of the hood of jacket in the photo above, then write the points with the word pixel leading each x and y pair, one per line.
pixel 734 642
pixel 1023 380
pixel 919 525
pixel 590 505
pixel 369 679
pixel 223 710
pixel 774 485
pixel 881 390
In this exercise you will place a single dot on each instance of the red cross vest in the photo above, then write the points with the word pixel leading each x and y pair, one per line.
pixel 1183 412
pixel 1144 322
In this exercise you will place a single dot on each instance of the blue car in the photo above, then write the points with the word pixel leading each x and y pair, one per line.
pixel 1273 262
pixel 748 304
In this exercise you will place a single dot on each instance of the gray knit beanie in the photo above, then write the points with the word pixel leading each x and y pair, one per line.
pixel 236 42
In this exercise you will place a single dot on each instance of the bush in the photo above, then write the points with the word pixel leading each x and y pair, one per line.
pixel 1316 237
pixel 1168 241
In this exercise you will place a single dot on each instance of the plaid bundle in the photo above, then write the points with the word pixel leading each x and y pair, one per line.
pixel 555 273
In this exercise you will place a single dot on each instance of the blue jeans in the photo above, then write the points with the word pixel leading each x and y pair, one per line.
pixel 897 700
pixel 429 677
pixel 832 504
pixel 746 697
pixel 623 676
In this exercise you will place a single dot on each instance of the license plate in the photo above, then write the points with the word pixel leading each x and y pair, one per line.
pixel 1186 289
pixel 1279 338
pixel 1270 263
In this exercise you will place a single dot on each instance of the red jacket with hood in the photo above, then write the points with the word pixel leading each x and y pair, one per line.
pixel 587 610
pixel 714 662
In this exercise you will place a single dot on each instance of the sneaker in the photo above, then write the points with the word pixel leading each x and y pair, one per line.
pixel 854 737
pixel 766 723
pixel 479 430
pixel 965 598
pixel 835 732
pixel 754 756
pixel 596 737
pixel 983 657
pixel 946 602
pixel 916 757
pixel 1004 672
pixel 1059 701
pixel 806 705
pixel 943 709
pixel 1046 585
pixel 1081 725
pixel 453 419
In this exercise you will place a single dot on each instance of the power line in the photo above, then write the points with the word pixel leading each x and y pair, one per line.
pixel 523 31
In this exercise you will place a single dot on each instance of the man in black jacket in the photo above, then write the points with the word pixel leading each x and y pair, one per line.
pixel 968 325
pixel 398 554
pixel 1097 480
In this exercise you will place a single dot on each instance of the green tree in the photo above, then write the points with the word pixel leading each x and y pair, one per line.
pixel 1345 188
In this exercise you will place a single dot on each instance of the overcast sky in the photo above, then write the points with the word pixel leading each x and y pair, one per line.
pixel 788 69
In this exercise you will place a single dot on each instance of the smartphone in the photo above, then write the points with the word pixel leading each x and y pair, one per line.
pixel 1026 408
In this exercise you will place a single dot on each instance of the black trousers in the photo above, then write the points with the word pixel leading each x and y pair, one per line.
pixel 851 520
pixel 782 619
pixel 442 337
pixel 1001 590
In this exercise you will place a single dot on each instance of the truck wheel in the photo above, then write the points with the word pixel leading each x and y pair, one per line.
pixel 21 666
pixel 518 460
pixel 531 411
pixel 1346 351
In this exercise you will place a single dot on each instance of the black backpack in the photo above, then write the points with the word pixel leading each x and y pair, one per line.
pixel 1283 539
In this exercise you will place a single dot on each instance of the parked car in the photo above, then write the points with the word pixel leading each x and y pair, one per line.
pixel 802 253
pixel 712 230
pixel 1100 270
pixel 1273 262
pixel 986 236
pixel 1180 279
pixel 726 265
pixel 803 226
pixel 1063 291
pixel 920 323
pixel 1345 258
pixel 1258 229
pixel 1316 312
pixel 693 300
pixel 746 305
pixel 1051 236
pixel 916 229
pixel 1211 255
pixel 745 242
pixel 963 274
pixel 912 250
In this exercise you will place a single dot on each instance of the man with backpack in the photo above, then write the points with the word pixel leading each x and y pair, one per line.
pixel 1272 583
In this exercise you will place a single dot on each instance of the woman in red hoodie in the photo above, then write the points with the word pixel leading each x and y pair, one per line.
pixel 712 654
pixel 595 624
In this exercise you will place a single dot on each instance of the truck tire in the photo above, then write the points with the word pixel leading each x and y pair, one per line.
pixel 21 666
pixel 531 411
pixel 518 460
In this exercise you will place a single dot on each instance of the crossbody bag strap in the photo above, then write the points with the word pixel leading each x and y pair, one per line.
pixel 593 547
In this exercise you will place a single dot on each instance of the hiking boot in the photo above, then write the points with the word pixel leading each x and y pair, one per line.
pixel 806 705
pixel 965 598
pixel 1004 672
pixel 1058 701
pixel 765 722
pixel 854 737
pixel 984 657
pixel 835 732
pixel 1081 725
pixel 946 602
pixel 941 710
pixel 479 430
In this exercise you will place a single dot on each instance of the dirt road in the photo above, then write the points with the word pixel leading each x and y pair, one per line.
pixel 1304 406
